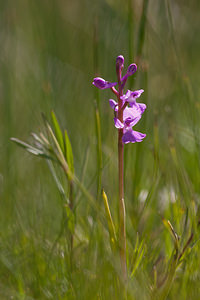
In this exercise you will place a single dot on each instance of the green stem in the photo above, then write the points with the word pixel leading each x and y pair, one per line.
pixel 71 205
pixel 97 111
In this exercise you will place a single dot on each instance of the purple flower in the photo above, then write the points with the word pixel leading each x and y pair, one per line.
pixel 131 136
pixel 118 123
pixel 131 116
pixel 129 108
pixel 103 84
pixel 131 97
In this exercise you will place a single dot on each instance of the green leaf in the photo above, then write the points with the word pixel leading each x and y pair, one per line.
pixel 169 226
pixel 99 152
pixel 57 181
pixel 138 253
pixel 111 227
pixel 68 153
pixel 58 132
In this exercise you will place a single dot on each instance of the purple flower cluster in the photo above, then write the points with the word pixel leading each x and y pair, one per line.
pixel 127 111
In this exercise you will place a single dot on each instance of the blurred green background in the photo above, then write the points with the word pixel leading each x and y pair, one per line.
pixel 50 51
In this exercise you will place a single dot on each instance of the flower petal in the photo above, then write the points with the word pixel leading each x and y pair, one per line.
pixel 132 122
pixel 131 136
pixel 103 84
pixel 142 107
pixel 138 106
pixel 118 123
pixel 126 96
pixel 113 104
pixel 135 94
pixel 131 112
pixel 131 96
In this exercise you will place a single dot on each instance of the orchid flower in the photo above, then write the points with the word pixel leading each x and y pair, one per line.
pixel 127 113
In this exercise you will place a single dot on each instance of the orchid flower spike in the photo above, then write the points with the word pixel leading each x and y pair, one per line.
pixel 126 105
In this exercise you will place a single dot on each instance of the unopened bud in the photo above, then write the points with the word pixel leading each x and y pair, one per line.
pixel 131 69
pixel 120 62
pixel 102 84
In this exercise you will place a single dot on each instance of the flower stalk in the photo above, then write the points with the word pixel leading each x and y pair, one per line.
pixel 122 211
pixel 127 113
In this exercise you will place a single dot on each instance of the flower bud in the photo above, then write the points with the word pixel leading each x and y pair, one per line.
pixel 120 62
pixel 131 69
pixel 102 84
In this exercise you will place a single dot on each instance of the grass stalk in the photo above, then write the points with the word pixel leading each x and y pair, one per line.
pixel 97 112
pixel 71 206
pixel 130 37
pixel 142 29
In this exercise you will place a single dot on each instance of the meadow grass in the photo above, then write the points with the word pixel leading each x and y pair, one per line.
pixel 50 52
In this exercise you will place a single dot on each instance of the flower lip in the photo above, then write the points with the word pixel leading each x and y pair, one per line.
pixel 103 84
pixel 131 136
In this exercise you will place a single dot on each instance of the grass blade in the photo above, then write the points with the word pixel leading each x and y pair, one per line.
pixel 111 227
pixel 68 153
pixel 58 131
